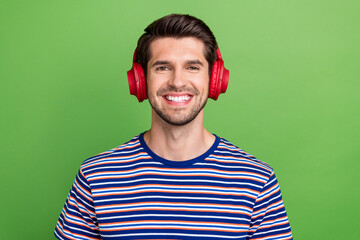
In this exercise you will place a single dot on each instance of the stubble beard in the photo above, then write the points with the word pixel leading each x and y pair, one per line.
pixel 177 119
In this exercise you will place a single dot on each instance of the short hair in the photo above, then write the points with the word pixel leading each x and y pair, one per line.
pixel 177 26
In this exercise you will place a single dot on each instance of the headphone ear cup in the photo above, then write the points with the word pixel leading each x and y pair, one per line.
pixel 219 78
pixel 137 82
pixel 214 81
pixel 140 82
pixel 132 81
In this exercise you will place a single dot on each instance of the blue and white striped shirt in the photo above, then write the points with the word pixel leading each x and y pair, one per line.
pixel 131 193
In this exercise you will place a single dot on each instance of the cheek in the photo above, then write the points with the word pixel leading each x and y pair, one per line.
pixel 205 84
pixel 153 85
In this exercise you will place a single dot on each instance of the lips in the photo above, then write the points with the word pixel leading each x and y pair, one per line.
pixel 178 99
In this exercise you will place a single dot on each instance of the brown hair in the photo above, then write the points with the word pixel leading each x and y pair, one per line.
pixel 177 26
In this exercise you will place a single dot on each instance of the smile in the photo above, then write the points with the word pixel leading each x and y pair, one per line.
pixel 177 99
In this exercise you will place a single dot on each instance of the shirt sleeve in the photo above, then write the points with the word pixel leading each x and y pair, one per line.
pixel 78 219
pixel 269 220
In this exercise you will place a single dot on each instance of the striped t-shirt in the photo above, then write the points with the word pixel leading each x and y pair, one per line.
pixel 131 193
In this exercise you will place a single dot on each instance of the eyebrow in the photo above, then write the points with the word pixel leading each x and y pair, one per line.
pixel 160 62
pixel 165 62
pixel 195 62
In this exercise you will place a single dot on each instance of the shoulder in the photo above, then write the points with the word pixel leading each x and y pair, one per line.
pixel 127 151
pixel 227 152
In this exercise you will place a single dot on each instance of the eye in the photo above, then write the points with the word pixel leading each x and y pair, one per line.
pixel 162 68
pixel 193 68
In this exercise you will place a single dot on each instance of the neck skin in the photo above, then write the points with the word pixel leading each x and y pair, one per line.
pixel 178 143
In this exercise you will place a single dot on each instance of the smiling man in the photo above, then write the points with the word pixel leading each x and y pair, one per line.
pixel 178 86
pixel 176 180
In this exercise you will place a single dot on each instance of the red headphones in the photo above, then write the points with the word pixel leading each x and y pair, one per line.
pixel 218 81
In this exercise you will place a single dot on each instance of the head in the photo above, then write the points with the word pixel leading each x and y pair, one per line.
pixel 178 37
pixel 177 26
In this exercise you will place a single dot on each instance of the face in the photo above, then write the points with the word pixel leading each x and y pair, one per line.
pixel 177 79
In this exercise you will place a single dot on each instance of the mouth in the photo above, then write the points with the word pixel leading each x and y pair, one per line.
pixel 178 99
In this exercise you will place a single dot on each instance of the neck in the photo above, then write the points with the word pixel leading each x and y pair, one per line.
pixel 178 143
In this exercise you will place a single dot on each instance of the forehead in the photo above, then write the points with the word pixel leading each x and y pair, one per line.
pixel 169 48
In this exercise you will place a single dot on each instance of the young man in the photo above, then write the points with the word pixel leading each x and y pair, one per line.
pixel 177 180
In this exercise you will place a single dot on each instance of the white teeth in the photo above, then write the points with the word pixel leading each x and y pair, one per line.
pixel 178 99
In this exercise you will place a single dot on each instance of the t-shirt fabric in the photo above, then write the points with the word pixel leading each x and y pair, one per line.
pixel 129 192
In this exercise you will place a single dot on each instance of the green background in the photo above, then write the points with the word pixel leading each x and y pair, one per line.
pixel 293 100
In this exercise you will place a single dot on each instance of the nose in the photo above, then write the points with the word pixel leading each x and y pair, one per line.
pixel 178 79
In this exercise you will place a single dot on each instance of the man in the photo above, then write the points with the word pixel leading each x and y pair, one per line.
pixel 177 180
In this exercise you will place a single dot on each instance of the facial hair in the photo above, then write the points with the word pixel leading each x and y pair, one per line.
pixel 176 120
